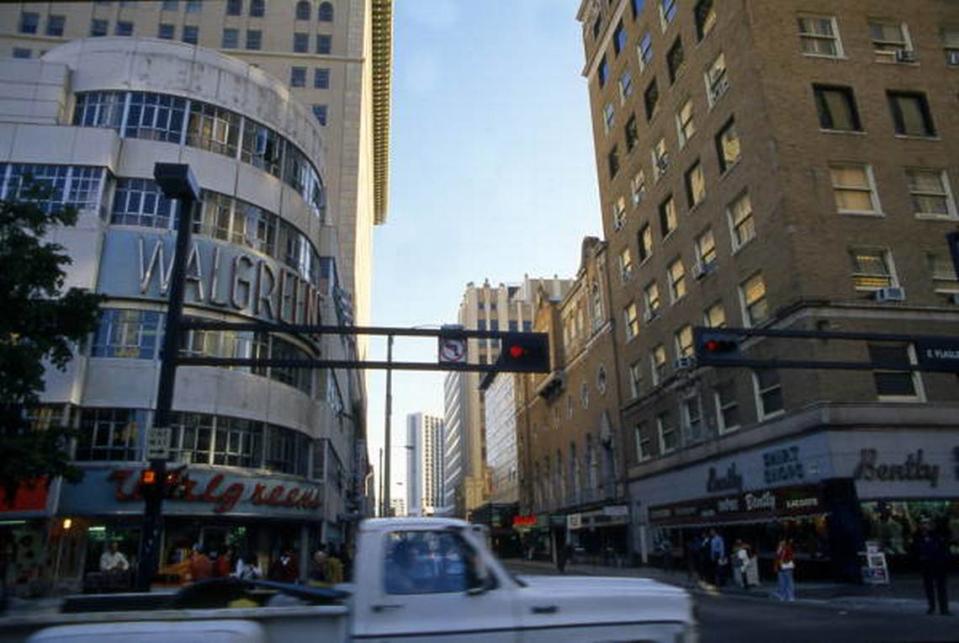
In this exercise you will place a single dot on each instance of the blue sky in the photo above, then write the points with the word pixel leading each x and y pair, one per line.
pixel 492 172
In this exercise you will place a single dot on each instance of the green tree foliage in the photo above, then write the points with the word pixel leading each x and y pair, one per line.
pixel 40 327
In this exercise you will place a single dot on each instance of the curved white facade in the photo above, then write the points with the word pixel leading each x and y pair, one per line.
pixel 260 444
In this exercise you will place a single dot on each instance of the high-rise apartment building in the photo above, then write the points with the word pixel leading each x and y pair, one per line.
pixel 784 165
pixel 484 307
pixel 332 55
pixel 424 464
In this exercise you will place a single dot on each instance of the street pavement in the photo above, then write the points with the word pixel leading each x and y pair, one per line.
pixel 736 616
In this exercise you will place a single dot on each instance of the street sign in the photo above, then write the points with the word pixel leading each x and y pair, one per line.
pixel 953 240
pixel 158 443
pixel 452 350
pixel 938 353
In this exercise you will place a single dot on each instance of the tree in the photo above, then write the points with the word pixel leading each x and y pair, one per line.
pixel 40 326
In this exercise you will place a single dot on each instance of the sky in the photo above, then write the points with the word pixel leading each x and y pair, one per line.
pixel 492 175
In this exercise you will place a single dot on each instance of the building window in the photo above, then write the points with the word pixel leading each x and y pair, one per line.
pixel 910 114
pixel 609 117
pixel 254 39
pixel 584 395
pixel 631 133
pixel 29 22
pixel 651 99
pixel 301 43
pixel 742 226
pixel 668 220
pixel 893 384
pixel 262 148
pixel 819 36
pixel 74 186
pixel 727 407
pixel 769 393
pixel 234 7
pixel 715 316
pixel 55 25
pixel 692 418
pixel 191 34
pixel 625 265
pixel 168 32
pixel 752 292
pixel 645 50
pixel 303 10
pixel 889 39
pixel 321 78
pixel 140 202
pixel 677 280
pixel 602 71
pixel 231 38
pixel 644 450
pixel 20 52
pixel 619 213
pixel 110 434
pixel 727 146
pixel 837 108
pixel 123 28
pixel 174 5
pixel 645 238
pixel 635 378
pixel 625 86
pixel 631 317
pixel 638 187
pixel 619 38
pixel 613 161
pixel 636 6
pixel 667 12
pixel 325 13
pixel 685 127
pixel 324 44
pixel 257 8
pixel 706 251
pixel 660 159
pixel 98 27
pixel 126 334
pixel 658 362
pixel 871 268
pixel 695 185
pixel 668 438
pixel 213 128
pixel 675 59
pixel 99 109
pixel 854 189
pixel 944 278
pixel 717 81
pixel 651 299
pixel 684 341
pixel 931 194
pixel 705 14
pixel 194 6
pixel 950 44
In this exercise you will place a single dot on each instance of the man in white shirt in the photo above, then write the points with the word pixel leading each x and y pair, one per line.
pixel 113 560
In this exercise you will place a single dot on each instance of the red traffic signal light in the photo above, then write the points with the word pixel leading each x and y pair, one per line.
pixel 148 477
pixel 524 353
pixel 716 346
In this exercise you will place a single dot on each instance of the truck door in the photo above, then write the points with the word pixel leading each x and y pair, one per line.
pixel 431 585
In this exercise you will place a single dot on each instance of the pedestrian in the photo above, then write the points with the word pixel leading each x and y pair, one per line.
pixel 285 568
pixel 692 560
pixel 113 560
pixel 741 562
pixel 933 562
pixel 248 567
pixel 562 552
pixel 334 568
pixel 785 565
pixel 717 557
pixel 201 568
pixel 318 569
pixel 224 562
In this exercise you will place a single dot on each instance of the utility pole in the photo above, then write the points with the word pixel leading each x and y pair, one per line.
pixel 388 436
pixel 381 513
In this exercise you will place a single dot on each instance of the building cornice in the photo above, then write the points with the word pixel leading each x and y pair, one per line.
pixel 382 76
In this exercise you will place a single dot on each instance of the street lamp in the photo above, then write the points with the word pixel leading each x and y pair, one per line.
pixel 176 181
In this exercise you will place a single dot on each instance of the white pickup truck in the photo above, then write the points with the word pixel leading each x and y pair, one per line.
pixel 415 580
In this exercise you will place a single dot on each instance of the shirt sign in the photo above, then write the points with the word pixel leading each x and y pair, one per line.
pixel 158 443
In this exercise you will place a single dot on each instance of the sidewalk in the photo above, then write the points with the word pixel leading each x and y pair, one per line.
pixel 904 594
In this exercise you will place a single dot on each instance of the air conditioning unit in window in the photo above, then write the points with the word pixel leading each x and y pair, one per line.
pixel 718 89
pixel 618 223
pixel 662 163
pixel 952 58
pixel 701 270
pixel 893 293
pixel 905 56
pixel 684 363
pixel 955 298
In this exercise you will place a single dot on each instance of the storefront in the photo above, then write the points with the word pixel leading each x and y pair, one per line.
pixel 498 518
pixel 829 491
pixel 599 536
pixel 215 508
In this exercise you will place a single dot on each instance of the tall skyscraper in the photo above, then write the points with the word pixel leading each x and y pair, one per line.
pixel 780 165
pixel 485 307
pixel 424 464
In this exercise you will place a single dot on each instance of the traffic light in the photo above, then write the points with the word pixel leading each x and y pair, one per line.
pixel 716 346
pixel 153 483
pixel 524 353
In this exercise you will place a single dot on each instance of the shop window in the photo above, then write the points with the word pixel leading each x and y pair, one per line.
pixel 127 333
pixel 769 393
pixel 893 384
pixel 108 434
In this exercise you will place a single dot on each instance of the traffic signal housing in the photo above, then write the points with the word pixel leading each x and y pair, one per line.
pixel 153 483
pixel 716 346
pixel 524 353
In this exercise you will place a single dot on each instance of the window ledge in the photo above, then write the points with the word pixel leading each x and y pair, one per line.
pixel 867 215
pixel 900 398
pixel 853 132
pixel 806 54
pixel 773 415
pixel 935 217
pixel 730 169
pixel 731 429
pixel 678 300
pixel 737 249
pixel 914 137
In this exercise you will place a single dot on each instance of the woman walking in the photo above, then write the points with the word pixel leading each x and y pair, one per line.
pixel 785 566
